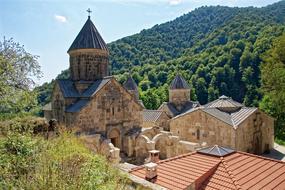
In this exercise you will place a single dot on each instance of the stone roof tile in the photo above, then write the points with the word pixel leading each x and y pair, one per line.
pixel 185 108
pixel 77 106
pixel 151 115
pixel 96 87
pixel 67 88
pixel 88 38
pixel 179 83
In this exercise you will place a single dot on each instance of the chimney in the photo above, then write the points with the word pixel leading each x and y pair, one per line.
pixel 154 156
pixel 150 171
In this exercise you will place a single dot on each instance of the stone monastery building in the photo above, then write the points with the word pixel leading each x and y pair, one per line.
pixel 114 120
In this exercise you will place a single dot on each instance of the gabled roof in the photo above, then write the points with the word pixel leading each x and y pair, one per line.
pixel 77 106
pixel 130 84
pixel 231 118
pixel 96 86
pixel 174 111
pixel 151 115
pixel 226 110
pixel 67 88
pixel 237 170
pixel 180 172
pixel 88 38
pixel 179 83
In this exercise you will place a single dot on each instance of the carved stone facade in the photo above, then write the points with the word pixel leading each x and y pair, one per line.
pixel 93 103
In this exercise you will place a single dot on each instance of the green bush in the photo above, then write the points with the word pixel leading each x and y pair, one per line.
pixel 30 162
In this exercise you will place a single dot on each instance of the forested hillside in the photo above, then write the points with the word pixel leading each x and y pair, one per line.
pixel 217 49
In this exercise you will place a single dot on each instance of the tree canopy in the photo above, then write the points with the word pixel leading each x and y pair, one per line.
pixel 273 84
pixel 18 71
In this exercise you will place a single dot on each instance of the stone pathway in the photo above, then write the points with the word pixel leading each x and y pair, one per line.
pixel 277 153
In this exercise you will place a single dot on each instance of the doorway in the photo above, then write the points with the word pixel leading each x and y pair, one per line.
pixel 114 136
pixel 257 143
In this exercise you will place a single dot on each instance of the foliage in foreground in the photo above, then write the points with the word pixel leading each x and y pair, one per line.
pixel 30 162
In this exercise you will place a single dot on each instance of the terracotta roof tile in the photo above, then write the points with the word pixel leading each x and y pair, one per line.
pixel 234 171
pixel 178 173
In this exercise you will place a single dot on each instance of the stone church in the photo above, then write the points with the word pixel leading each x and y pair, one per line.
pixel 115 121
pixel 92 101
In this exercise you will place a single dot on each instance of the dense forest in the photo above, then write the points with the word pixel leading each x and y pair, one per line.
pixel 217 49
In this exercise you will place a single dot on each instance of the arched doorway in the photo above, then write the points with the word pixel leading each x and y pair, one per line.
pixel 162 141
pixel 114 136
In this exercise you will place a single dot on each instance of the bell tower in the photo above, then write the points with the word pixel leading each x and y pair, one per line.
pixel 179 92
pixel 88 54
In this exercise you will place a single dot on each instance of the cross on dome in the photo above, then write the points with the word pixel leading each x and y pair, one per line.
pixel 89 12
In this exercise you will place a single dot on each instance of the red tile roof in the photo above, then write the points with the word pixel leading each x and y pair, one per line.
pixel 238 170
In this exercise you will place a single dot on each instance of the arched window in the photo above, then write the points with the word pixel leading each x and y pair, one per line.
pixel 198 134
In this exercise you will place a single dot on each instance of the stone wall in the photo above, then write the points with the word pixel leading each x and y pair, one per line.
pixel 256 134
pixel 163 121
pixel 48 114
pixel 179 96
pixel 88 64
pixel 58 105
pixel 168 145
pixel 200 127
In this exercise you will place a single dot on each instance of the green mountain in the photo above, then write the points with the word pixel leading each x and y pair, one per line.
pixel 217 49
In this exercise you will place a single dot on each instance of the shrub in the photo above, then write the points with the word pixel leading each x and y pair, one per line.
pixel 30 162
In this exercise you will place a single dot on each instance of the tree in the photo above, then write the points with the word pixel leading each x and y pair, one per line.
pixel 273 84
pixel 18 70
pixel 150 99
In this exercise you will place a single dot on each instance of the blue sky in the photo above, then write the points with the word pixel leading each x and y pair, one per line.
pixel 47 28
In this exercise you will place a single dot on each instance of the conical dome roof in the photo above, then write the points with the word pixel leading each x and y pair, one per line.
pixel 130 84
pixel 179 83
pixel 88 38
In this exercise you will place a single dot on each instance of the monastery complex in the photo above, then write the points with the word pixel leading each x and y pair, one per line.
pixel 113 120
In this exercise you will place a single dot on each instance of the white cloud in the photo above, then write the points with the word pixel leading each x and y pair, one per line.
pixel 174 2
pixel 60 18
